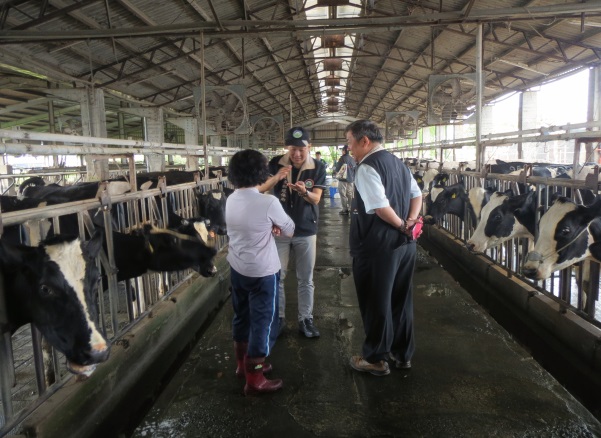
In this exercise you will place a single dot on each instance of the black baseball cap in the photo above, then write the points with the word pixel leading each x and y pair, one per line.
pixel 297 136
pixel 345 148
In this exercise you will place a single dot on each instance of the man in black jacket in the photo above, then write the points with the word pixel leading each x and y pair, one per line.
pixel 386 205
pixel 298 182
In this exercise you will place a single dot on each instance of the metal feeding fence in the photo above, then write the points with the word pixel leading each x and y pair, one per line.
pixel 30 370
pixel 576 287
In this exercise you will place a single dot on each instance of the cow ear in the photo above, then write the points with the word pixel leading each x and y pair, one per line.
pixel 13 255
pixel 93 246
pixel 554 197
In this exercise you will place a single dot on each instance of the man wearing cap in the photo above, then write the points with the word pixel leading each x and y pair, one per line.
pixel 345 182
pixel 298 182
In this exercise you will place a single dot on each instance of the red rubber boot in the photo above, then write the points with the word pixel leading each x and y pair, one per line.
pixel 256 383
pixel 240 349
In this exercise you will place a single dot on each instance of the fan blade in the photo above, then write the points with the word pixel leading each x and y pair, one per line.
pixel 216 101
pixel 218 123
pixel 456 86
pixel 232 102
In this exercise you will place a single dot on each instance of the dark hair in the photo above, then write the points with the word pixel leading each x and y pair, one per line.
pixel 365 128
pixel 317 153
pixel 248 168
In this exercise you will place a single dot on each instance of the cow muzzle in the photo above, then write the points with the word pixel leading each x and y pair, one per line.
pixel 531 264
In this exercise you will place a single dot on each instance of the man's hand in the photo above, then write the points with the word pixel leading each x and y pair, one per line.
pixel 298 187
pixel 276 231
pixel 283 172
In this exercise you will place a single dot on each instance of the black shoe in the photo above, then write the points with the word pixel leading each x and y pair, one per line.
pixel 306 328
pixel 400 364
pixel 344 212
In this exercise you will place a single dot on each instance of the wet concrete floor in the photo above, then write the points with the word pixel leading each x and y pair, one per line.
pixel 469 377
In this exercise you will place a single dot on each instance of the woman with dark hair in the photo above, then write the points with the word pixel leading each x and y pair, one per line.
pixel 252 221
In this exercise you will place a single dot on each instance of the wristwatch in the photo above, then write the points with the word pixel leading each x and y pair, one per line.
pixel 304 195
pixel 403 227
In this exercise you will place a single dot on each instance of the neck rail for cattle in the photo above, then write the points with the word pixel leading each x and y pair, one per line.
pixel 30 371
pixel 571 288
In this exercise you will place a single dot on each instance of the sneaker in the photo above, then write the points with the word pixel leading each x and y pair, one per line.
pixel 306 328
pixel 377 369
pixel 400 364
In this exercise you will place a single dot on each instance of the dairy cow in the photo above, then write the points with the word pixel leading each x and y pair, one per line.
pixel 567 234
pixel 16 233
pixel 504 217
pixel 456 201
pixel 211 205
pixel 53 286
pixel 161 250
pixel 36 188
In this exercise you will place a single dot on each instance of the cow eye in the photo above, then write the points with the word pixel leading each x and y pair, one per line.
pixel 565 231
pixel 497 218
pixel 46 291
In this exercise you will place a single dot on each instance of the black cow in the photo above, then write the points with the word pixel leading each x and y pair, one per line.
pixel 161 250
pixel 53 286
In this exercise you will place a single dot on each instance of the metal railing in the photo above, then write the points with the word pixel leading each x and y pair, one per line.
pixel 30 371
pixel 576 287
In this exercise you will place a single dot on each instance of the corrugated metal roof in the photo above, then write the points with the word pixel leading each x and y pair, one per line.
pixel 150 53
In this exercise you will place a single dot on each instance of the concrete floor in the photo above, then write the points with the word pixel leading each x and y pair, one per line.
pixel 469 377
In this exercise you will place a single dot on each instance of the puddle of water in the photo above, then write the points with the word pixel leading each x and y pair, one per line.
pixel 434 290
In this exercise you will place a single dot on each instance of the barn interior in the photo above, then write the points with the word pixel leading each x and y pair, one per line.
pixel 95 90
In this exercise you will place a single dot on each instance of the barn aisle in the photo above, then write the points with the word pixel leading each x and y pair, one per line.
pixel 469 377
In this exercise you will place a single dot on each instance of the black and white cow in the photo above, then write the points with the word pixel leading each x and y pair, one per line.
pixel 53 286
pixel 17 233
pixel 449 200
pixel 36 188
pixel 504 217
pixel 567 234
pixel 161 250
pixel 211 205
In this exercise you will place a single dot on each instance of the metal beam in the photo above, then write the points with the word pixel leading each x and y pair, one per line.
pixel 314 27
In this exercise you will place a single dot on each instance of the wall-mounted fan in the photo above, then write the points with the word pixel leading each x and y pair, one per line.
pixel 70 125
pixel 401 124
pixel 268 131
pixel 451 98
pixel 225 109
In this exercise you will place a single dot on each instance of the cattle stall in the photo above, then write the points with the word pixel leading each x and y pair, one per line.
pixel 563 309
pixel 32 371
pixel 563 286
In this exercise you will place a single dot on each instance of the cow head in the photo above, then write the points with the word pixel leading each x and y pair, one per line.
pixel 449 200
pixel 173 251
pixel 54 286
pixel 212 206
pixel 504 217
pixel 567 234
pixel 195 226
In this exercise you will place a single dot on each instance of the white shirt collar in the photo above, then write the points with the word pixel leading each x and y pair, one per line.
pixel 373 151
